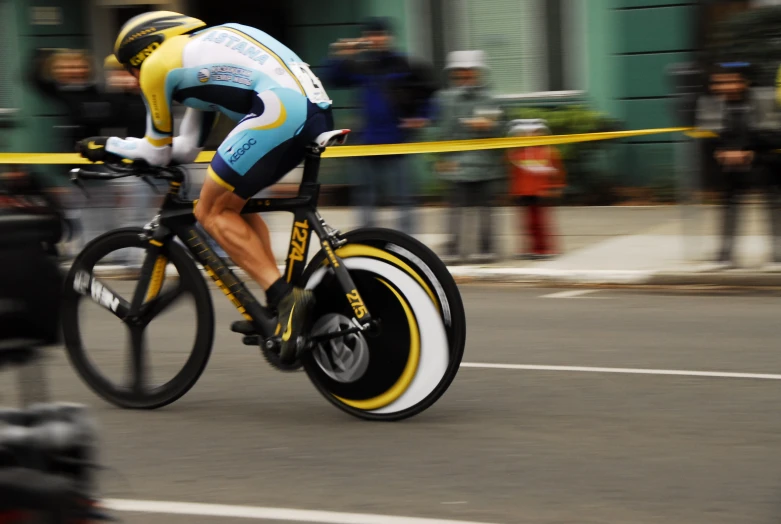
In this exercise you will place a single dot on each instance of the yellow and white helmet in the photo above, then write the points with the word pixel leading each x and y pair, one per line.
pixel 142 34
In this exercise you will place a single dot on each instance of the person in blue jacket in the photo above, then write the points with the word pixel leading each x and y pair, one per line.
pixel 395 97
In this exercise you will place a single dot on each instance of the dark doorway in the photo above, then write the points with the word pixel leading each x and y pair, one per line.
pixel 272 18
pixel 122 14
pixel 710 14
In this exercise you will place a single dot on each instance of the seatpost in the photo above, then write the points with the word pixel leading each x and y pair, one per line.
pixel 311 165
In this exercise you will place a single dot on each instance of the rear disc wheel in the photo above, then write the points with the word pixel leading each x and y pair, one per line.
pixel 404 366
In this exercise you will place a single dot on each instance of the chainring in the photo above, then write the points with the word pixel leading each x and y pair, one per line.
pixel 275 361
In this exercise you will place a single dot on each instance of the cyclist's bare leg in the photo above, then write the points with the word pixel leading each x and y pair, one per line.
pixel 219 212
pixel 257 223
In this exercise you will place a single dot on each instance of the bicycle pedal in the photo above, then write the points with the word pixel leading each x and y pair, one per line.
pixel 244 327
pixel 251 340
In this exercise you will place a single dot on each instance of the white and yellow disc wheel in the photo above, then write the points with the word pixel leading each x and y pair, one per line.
pixel 405 366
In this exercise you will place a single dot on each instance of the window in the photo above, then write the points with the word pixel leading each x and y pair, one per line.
pixel 532 45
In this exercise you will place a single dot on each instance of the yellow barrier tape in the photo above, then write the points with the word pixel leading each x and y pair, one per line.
pixel 42 158
pixel 417 148
pixel 486 143
pixel 701 134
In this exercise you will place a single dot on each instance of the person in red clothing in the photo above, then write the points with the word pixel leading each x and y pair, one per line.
pixel 537 174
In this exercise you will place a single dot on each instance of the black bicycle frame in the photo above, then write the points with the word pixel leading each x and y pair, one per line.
pixel 176 219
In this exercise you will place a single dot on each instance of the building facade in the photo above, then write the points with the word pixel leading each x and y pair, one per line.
pixel 611 54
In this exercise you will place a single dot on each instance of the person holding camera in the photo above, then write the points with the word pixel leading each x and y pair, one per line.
pixel 395 97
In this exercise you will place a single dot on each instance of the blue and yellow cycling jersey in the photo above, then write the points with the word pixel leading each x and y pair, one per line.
pixel 230 69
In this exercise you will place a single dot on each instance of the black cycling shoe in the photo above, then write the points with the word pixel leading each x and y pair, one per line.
pixel 293 310
pixel 244 327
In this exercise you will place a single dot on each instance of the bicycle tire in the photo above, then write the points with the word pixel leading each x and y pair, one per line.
pixel 409 256
pixel 194 284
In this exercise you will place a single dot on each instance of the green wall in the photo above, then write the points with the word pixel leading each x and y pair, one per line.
pixel 631 43
pixel 30 129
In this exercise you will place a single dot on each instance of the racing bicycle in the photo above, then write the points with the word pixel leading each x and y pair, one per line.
pixel 386 336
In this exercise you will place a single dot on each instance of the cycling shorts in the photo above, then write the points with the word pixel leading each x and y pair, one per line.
pixel 269 142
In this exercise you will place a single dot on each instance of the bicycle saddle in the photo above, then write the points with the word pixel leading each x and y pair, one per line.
pixel 337 137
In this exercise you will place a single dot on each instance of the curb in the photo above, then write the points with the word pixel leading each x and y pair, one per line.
pixel 731 278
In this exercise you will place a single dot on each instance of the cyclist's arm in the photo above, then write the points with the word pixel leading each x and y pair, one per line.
pixel 155 148
pixel 194 130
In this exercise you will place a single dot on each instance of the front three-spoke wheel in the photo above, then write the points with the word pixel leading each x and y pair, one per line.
pixel 98 292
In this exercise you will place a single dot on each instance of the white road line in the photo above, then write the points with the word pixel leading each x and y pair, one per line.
pixel 570 294
pixel 260 513
pixel 630 371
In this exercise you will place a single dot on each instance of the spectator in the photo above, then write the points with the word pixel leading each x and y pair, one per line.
pixel 467 110
pixel 536 175
pixel 128 110
pixel 734 114
pixel 66 76
pixel 395 95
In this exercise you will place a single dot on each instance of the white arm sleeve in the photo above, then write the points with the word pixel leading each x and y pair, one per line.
pixel 139 149
pixel 187 145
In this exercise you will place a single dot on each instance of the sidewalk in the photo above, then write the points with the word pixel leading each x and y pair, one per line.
pixel 647 245
pixel 652 245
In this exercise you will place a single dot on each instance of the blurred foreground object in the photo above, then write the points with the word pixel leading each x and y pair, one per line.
pixel 466 110
pixel 537 176
pixel 30 280
pixel 46 450
pixel 47 453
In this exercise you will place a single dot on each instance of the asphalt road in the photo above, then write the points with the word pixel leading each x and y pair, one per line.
pixel 503 445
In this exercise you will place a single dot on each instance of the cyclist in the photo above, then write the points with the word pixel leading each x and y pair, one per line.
pixel 250 77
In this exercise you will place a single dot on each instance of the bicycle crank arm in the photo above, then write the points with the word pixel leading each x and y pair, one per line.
pixel 336 334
